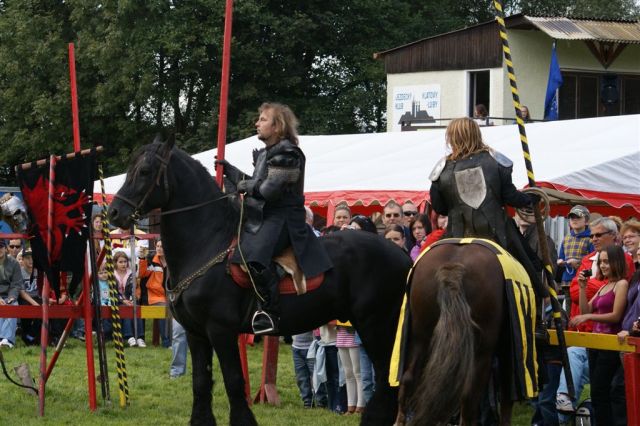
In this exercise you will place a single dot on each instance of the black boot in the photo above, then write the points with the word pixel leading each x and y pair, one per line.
pixel 265 320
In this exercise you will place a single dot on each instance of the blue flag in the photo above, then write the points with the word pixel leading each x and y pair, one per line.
pixel 555 81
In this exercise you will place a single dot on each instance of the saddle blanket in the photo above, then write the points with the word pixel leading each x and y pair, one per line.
pixel 293 283
pixel 521 312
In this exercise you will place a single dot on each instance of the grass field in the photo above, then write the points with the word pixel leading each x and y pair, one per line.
pixel 155 399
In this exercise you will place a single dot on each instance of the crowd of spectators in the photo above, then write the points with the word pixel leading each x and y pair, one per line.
pixel 597 265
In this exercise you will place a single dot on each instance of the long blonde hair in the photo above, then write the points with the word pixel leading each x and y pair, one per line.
pixel 464 138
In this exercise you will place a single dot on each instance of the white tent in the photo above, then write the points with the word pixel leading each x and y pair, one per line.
pixel 596 158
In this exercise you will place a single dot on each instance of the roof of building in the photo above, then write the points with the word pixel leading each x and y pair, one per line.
pixel 561 28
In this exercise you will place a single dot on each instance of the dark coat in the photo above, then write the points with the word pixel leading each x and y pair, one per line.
pixel 274 206
pixel 488 219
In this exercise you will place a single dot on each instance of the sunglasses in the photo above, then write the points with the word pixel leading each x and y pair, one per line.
pixel 410 213
pixel 392 215
pixel 14 247
pixel 599 234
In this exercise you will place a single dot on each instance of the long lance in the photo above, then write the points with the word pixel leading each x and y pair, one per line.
pixel 224 86
pixel 542 238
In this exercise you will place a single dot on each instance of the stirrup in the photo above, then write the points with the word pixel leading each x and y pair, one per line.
pixel 262 323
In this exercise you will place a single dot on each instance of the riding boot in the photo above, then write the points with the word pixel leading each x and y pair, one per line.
pixel 265 320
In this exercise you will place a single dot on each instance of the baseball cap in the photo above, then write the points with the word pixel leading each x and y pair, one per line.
pixel 579 211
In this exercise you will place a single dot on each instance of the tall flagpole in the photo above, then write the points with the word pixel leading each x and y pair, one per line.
pixel 224 86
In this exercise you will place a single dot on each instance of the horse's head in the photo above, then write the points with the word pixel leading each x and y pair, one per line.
pixel 146 186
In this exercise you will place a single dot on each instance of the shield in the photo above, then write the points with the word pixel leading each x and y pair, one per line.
pixel 472 188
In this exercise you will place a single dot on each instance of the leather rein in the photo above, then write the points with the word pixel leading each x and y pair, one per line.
pixel 161 176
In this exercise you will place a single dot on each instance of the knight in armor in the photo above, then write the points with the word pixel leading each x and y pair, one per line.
pixel 275 214
pixel 472 186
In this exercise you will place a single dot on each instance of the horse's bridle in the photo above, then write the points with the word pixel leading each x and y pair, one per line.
pixel 162 176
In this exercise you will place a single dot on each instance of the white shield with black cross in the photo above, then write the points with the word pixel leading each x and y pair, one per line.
pixel 471 186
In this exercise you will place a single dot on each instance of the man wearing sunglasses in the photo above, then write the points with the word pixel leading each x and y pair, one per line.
pixel 393 214
pixel 14 248
pixel 10 286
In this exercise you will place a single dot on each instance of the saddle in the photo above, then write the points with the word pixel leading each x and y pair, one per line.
pixel 294 282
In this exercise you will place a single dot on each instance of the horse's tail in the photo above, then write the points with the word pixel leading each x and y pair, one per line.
pixel 449 371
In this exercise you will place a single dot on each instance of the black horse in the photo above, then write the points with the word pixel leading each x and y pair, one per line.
pixel 198 224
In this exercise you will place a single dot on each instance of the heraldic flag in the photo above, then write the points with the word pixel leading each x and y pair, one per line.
pixel 72 202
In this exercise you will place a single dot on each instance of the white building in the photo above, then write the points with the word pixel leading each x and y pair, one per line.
pixel 444 76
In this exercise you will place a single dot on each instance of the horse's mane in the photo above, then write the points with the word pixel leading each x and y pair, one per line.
pixel 201 176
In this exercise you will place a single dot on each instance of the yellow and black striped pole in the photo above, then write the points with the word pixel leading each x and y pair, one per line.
pixel 121 367
pixel 542 239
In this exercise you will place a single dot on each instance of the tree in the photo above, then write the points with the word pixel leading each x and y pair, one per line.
pixel 145 66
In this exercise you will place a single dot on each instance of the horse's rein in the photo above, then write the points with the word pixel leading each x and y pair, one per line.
pixel 162 174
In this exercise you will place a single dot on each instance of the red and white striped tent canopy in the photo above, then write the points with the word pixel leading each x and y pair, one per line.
pixel 590 159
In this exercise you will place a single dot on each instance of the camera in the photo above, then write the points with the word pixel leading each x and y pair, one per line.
pixel 587 273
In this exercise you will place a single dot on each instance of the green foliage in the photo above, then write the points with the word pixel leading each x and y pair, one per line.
pixel 147 66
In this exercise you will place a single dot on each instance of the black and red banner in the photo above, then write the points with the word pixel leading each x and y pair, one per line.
pixel 72 201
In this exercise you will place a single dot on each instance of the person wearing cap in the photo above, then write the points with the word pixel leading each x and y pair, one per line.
pixel 576 244
pixel 10 285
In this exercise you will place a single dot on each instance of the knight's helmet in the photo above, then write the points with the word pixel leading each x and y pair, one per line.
pixel 14 212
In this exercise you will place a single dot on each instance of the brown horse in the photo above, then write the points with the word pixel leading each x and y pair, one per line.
pixel 457 323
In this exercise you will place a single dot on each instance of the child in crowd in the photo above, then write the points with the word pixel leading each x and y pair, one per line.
pixel 105 299
pixel 576 244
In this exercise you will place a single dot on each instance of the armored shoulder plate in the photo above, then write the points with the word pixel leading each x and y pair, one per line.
pixel 435 173
pixel 502 159
pixel 256 154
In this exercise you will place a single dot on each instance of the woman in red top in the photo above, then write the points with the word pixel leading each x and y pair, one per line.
pixel 606 310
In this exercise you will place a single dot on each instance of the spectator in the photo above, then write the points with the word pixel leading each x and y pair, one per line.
pixel 367 373
pixel 441 223
pixel 575 245
pixel 179 348
pixel 124 281
pixel 328 342
pixel 630 233
pixel 524 113
pixel 392 214
pixel 342 215
pixel 29 295
pixel 309 220
pixel 530 233
pixel 409 211
pixel 606 309
pixel 603 234
pixel 14 248
pixel 10 285
pixel 303 367
pixel 395 234
pixel 363 223
pixel 630 324
pixel 349 353
pixel 481 115
pixel 156 272
pixel 105 300
pixel 420 227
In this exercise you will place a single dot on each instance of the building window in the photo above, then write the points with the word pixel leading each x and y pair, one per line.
pixel 478 90
pixel 585 95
